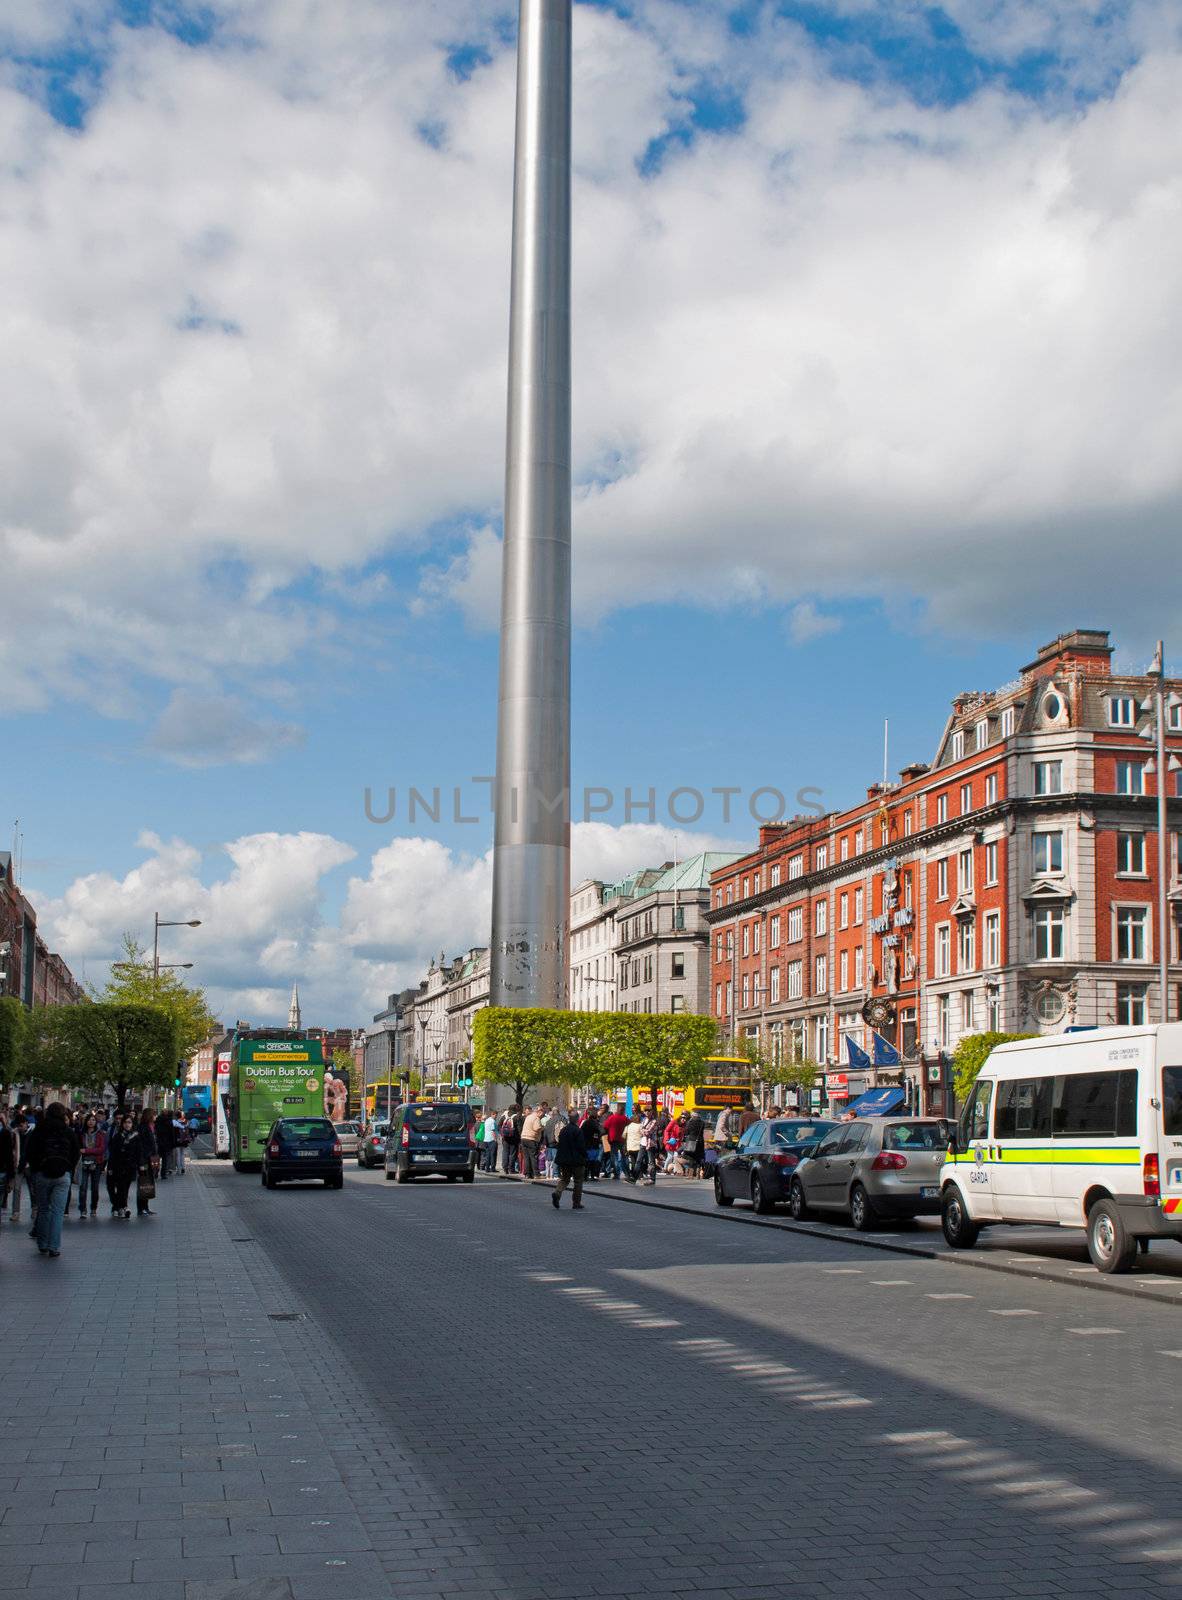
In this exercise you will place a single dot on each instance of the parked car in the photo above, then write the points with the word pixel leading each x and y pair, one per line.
pixel 432 1136
pixel 371 1150
pixel 873 1167
pixel 349 1133
pixel 760 1167
pixel 302 1148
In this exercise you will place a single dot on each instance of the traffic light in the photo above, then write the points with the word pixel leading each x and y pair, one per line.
pixel 176 1082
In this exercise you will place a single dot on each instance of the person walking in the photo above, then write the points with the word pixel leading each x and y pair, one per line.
pixel 54 1152
pixel 180 1141
pixel 123 1161
pixel 572 1163
pixel 693 1144
pixel 165 1142
pixel 650 1134
pixel 551 1128
pixel 748 1117
pixel 90 1167
pixel 9 1155
pixel 613 1129
pixel 149 1165
pixel 531 1143
pixel 593 1139
pixel 18 1128
pixel 510 1138
pixel 489 1153
pixel 633 1145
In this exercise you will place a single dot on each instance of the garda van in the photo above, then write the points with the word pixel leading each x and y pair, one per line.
pixel 1083 1130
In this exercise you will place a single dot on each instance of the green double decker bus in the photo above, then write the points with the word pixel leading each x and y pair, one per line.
pixel 273 1073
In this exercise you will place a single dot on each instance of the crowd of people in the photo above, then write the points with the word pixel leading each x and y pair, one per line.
pixel 618 1146
pixel 63 1159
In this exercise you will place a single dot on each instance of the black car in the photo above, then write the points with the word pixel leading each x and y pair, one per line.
pixel 371 1151
pixel 432 1136
pixel 760 1168
pixel 303 1147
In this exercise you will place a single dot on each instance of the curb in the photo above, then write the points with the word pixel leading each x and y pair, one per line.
pixel 1126 1286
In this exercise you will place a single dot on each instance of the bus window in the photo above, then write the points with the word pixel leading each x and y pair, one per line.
pixel 1088 1103
pixel 1023 1109
pixel 974 1122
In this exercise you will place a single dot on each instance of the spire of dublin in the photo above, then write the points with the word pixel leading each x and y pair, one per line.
pixel 531 854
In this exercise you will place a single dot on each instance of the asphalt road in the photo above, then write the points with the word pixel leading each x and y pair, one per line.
pixel 629 1399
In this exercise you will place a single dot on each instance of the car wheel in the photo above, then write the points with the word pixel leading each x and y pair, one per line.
pixel 468 1177
pixel 452 1176
pixel 797 1203
pixel 1110 1245
pixel 759 1199
pixel 263 1179
pixel 339 1183
pixel 959 1228
pixel 389 1174
pixel 720 1197
pixel 862 1212
pixel 403 1177
pixel 269 1182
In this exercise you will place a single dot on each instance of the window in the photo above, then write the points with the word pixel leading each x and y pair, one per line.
pixel 1090 1103
pixel 859 901
pixel 677 1002
pixel 991 862
pixel 822 856
pixel 729 997
pixel 964 872
pixel 746 940
pixel 907 823
pixel 821 1034
pixel 729 893
pixel 1132 923
pixel 776 876
pixel 755 883
pixel 859 967
pixel 1048 852
pixel 1048 777
pixel 795 867
pixel 982 733
pixel 941 808
pixel 843 911
pixel 943 950
pixel 1122 711
pixel 730 944
pixel 1024 1108
pixel 756 986
pixel 1130 777
pixel 1008 721
pixel 943 1019
pixel 1048 933
pixel 623 975
pixel 993 1011
pixel 774 933
pixel 821 975
pixel 774 986
pixel 966 943
pixel 822 917
pixel 991 788
pixel 844 847
pixel 795 924
pixel 677 964
pixel 1130 853
pixel 1171 1100
pixel 942 879
pixel 756 937
pixel 648 969
pixel 718 947
pixel 843 971
pixel 744 890
pixel 1131 1009
pixel 967 1011
pixel 992 951
pixel 958 744
pixel 795 979
pixel 966 799
pixel 859 843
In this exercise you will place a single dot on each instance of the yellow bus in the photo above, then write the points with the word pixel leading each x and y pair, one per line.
pixel 730 1085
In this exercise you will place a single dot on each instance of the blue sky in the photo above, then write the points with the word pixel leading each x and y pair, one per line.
pixel 870 376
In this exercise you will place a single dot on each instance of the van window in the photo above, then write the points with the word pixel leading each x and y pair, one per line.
pixel 437 1119
pixel 1095 1103
pixel 974 1122
pixel 1024 1108
pixel 1171 1101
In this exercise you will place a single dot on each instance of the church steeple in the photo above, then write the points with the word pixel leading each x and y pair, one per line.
pixel 293 1013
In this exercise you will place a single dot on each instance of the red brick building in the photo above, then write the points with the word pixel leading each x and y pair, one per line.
pixel 1012 884
pixel 29 970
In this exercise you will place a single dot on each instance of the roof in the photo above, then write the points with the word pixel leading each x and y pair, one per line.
pixel 693 873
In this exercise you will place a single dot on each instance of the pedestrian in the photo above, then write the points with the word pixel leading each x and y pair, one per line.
pixel 613 1131
pixel 722 1128
pixel 650 1132
pixel 162 1128
pixel 149 1165
pixel 593 1140
pixel 531 1143
pixel 633 1145
pixel 489 1161
pixel 18 1128
pixel 672 1142
pixel 9 1155
pixel 775 1112
pixel 53 1155
pixel 693 1144
pixel 572 1163
pixel 123 1161
pixel 551 1128
pixel 90 1167
pixel 748 1117
pixel 510 1138
pixel 181 1139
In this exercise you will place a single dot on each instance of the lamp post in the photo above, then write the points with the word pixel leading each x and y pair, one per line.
pixel 1161 766
pixel 157 924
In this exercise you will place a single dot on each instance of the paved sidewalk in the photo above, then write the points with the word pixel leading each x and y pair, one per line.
pixel 165 1437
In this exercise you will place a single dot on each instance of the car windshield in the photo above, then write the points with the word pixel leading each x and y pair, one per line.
pixel 306 1129
pixel 437 1119
pixel 346 1127
pixel 914 1136
pixel 790 1133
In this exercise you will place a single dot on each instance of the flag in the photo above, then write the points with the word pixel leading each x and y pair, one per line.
pixel 858 1056
pixel 885 1054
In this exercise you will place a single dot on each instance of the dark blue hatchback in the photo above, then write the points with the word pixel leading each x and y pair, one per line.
pixel 303 1147
pixel 432 1136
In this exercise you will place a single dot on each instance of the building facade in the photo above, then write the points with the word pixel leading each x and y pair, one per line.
pixel 1010 885
pixel 29 971
pixel 662 940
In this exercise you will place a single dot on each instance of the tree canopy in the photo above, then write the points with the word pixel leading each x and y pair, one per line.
pixel 971 1055
pixel 133 983
pixel 12 1035
pixel 128 1047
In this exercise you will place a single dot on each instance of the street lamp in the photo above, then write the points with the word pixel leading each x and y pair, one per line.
pixel 157 924
pixel 1156 701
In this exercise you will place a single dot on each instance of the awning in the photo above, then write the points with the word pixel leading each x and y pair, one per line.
pixel 877 1103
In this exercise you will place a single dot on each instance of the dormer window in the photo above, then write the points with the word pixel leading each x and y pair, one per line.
pixel 1122 711
pixel 982 733
pixel 958 744
pixel 1008 721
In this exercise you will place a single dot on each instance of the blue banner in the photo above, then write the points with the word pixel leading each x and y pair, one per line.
pixel 858 1056
pixel 885 1054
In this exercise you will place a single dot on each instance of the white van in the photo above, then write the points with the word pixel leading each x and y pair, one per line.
pixel 1083 1130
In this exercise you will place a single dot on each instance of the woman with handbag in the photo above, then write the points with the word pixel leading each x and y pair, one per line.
pixel 123 1159
pixel 149 1165
pixel 94 1159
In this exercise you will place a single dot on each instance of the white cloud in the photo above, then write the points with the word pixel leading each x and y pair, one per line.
pixel 254 320
pixel 214 730
pixel 806 623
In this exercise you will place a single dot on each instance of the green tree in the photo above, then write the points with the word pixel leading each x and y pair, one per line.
pixel 12 1038
pixel 44 1058
pixel 519 1046
pixel 971 1055
pixel 133 983
pixel 127 1047
pixel 799 1074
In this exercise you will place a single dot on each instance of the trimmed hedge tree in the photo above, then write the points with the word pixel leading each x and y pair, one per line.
pixel 971 1055
pixel 12 1033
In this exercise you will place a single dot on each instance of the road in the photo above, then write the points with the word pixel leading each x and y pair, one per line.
pixel 629 1399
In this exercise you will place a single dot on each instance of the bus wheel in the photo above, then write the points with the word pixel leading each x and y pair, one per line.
pixel 1110 1245
pixel 959 1229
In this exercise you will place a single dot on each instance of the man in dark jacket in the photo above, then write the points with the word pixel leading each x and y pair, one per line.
pixel 572 1162
pixel 52 1157
pixel 165 1142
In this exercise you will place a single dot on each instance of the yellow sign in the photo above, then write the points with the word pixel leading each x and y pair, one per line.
pixel 281 1055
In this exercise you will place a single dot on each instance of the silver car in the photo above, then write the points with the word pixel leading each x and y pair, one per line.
pixel 873 1167
pixel 349 1133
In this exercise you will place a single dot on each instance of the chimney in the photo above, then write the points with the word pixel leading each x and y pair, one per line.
pixel 1084 650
